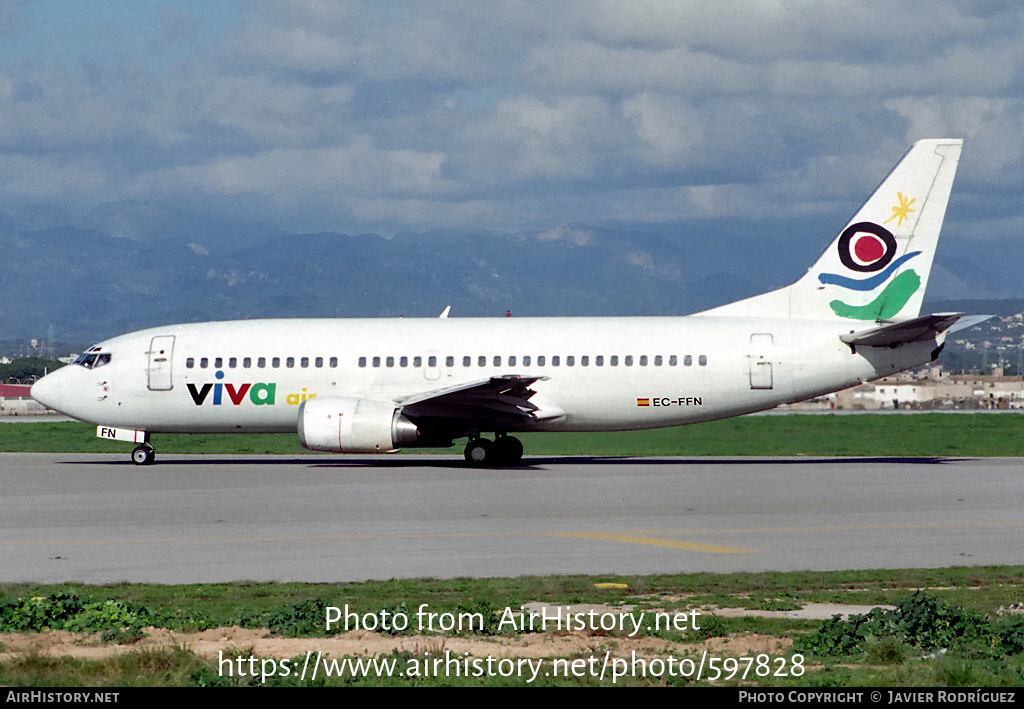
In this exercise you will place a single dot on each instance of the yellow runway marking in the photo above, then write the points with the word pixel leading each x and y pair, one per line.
pixel 654 542
pixel 631 536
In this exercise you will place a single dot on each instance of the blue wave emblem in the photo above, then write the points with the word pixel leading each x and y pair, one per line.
pixel 867 283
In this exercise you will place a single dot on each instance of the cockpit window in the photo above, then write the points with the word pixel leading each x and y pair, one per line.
pixel 92 360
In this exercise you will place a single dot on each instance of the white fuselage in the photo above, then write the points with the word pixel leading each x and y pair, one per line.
pixel 602 374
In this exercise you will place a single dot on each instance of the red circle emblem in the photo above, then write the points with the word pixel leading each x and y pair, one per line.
pixel 869 248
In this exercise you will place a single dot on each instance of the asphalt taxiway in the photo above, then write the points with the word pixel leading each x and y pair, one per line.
pixel 98 518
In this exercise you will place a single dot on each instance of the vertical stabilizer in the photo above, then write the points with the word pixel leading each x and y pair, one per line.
pixel 877 268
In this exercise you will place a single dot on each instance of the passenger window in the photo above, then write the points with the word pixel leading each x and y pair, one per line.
pixel 247 362
pixel 555 361
pixel 540 361
pixel 417 361
pixel 389 362
pixel 318 362
pixel 673 361
pixel 481 361
pixel 376 361
pixel 526 360
pixel 702 360
pixel 599 360
pixel 334 361
pixel 218 363
pixel 362 361
pixel 304 362
pixel 497 360
pixel 275 362
pixel 403 362
pixel 204 363
pixel 232 362
pixel 466 361
pixel 512 360
pixel 585 361
pixel 449 361
pixel 657 360
pixel 261 362
pixel 290 362
pixel 643 360
pixel 570 361
pixel 190 363
pixel 687 360
pixel 629 360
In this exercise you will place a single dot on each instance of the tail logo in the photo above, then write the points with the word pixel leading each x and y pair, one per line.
pixel 902 210
pixel 870 248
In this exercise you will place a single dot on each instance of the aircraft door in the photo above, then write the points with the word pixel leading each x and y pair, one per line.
pixel 432 366
pixel 760 359
pixel 160 350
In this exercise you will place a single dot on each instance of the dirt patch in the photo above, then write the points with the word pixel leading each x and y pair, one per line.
pixel 809 611
pixel 242 641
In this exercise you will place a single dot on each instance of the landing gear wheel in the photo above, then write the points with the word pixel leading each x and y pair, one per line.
pixel 508 450
pixel 143 455
pixel 480 452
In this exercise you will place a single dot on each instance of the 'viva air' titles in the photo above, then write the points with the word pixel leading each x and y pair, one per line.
pixel 260 393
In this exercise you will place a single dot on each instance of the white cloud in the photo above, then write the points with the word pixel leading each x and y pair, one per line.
pixel 514 113
pixel 284 176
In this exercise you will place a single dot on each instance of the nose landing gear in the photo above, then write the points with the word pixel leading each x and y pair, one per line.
pixel 143 454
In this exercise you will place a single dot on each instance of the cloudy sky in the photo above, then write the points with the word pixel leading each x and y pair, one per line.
pixel 507 115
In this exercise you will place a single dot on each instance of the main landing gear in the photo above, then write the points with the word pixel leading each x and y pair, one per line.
pixel 143 454
pixel 502 451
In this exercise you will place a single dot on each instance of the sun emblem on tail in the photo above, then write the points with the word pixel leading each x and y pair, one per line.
pixel 902 210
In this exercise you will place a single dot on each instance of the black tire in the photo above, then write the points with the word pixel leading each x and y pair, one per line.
pixel 508 450
pixel 143 455
pixel 480 452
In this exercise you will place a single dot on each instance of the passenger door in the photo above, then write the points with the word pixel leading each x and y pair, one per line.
pixel 160 350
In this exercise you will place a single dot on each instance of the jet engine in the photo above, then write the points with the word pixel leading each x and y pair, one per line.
pixel 348 424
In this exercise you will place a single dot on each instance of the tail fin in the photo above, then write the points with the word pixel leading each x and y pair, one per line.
pixel 878 266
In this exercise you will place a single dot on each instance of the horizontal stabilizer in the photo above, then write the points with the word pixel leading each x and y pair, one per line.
pixel 969 321
pixel 900 333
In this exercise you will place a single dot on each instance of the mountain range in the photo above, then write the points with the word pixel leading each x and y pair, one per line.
pixel 128 265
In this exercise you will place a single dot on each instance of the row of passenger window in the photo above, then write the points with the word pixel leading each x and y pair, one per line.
pixel 449 361
pixel 261 362
pixel 539 361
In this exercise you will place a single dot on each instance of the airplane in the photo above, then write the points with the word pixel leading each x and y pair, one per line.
pixel 377 385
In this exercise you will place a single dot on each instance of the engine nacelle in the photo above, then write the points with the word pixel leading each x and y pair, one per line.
pixel 347 424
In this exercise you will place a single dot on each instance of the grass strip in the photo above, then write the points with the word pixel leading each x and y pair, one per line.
pixel 974 435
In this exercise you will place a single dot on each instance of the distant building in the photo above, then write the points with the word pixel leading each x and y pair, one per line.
pixel 929 389
pixel 15 400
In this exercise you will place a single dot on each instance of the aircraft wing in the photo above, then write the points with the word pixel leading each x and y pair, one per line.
pixel 502 398
pixel 902 332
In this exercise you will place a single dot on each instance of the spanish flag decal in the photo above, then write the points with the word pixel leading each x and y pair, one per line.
pixel 643 402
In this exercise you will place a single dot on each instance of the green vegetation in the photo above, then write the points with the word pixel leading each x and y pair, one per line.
pixel 829 434
pixel 948 627
pixel 920 622
pixel 27 369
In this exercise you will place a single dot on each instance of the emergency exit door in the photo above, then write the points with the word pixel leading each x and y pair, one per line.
pixel 762 346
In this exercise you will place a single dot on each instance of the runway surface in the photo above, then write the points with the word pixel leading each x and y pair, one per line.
pixel 98 518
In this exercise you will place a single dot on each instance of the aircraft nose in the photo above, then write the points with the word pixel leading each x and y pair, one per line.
pixel 47 391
